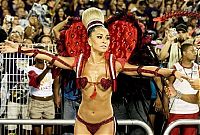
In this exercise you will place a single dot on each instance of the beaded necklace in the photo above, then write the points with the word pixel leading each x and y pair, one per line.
pixel 192 70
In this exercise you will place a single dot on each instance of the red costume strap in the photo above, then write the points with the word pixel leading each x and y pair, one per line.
pixel 37 51
pixel 54 58
pixel 79 67
pixel 75 62
pixel 19 48
pixel 139 70
pixel 112 70
pixel 94 94
pixel 173 73
pixel 156 72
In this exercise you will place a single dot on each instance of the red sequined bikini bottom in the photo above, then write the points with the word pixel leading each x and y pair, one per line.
pixel 92 128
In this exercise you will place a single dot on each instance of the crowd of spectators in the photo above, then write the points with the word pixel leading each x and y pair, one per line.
pixel 32 21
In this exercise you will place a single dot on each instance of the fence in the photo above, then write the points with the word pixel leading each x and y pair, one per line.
pixel 71 122
pixel 181 122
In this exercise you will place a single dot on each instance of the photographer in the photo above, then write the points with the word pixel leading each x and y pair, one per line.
pixel 7 23
pixel 33 30
pixel 170 52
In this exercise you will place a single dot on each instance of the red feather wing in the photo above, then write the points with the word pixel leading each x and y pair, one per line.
pixel 124 36
pixel 73 40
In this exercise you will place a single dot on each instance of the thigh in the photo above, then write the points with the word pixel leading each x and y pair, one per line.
pixel 80 129
pixel 13 110
pixel 36 109
pixel 25 111
pixel 175 131
pixel 107 129
pixel 49 112
pixel 189 130
pixel 48 130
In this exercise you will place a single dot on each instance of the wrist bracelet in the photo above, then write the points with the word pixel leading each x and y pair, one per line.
pixel 173 72
pixel 20 48
pixel 178 95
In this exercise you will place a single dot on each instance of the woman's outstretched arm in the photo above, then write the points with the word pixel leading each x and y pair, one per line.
pixel 152 71
pixel 59 61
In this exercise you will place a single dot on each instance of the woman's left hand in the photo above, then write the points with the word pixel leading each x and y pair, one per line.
pixel 195 83
pixel 9 47
pixel 169 90
pixel 180 76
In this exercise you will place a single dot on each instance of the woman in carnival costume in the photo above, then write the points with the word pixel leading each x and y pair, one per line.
pixel 97 57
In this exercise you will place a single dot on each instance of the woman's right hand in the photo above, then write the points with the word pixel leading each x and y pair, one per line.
pixel 9 47
pixel 169 89
pixel 170 36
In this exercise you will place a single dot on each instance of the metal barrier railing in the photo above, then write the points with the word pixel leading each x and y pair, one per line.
pixel 181 122
pixel 71 122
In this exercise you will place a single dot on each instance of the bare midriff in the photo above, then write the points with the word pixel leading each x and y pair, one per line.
pixel 98 109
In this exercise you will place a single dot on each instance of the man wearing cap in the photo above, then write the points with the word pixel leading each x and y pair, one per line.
pixel 171 50
pixel 182 35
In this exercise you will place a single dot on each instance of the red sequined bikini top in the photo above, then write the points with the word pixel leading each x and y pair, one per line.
pixel 105 83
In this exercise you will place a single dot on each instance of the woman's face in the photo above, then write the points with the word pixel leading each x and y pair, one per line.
pixel 190 30
pixel 46 40
pixel 174 7
pixel 99 39
pixel 15 36
pixel 61 12
pixel 168 8
pixel 82 2
pixel 33 20
pixel 197 40
pixel 4 5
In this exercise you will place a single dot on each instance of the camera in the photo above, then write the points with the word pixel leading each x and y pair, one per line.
pixel 9 18
pixel 173 32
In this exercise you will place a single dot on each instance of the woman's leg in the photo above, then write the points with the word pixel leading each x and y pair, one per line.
pixel 36 130
pixel 107 129
pixel 48 130
pixel 80 129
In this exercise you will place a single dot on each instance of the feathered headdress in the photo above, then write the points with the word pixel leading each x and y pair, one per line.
pixel 124 31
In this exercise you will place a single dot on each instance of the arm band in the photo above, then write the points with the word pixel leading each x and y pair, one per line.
pixel 20 48
pixel 156 72
pixel 37 51
pixel 140 71
pixel 173 73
